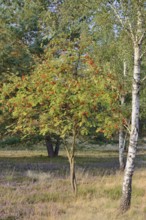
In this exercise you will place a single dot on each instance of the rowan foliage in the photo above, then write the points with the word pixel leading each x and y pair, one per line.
pixel 68 90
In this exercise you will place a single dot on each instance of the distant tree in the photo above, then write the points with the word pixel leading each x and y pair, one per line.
pixel 26 28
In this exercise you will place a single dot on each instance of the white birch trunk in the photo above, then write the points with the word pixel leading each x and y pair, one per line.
pixel 129 169
pixel 121 131
pixel 121 148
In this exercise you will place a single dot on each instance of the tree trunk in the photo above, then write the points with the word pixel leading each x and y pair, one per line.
pixel 49 146
pixel 121 131
pixel 71 158
pixel 121 148
pixel 73 176
pixel 56 151
pixel 129 169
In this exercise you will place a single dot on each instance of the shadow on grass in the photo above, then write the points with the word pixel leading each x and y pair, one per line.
pixel 95 163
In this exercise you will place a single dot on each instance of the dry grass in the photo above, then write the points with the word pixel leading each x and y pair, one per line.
pixel 38 195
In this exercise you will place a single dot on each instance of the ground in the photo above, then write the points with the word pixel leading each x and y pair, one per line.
pixel 33 186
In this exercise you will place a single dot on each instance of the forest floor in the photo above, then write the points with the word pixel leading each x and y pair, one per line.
pixel 35 187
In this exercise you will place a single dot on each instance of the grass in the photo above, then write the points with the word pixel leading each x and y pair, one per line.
pixel 41 191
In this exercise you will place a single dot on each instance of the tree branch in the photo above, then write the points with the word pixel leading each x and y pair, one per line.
pixel 143 54
pixel 67 150
pixel 142 38
pixel 129 31
pixel 143 79
pixel 117 15
pixel 87 6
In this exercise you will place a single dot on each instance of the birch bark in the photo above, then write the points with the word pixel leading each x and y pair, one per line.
pixel 129 169
pixel 121 131
pixel 138 38
pixel 121 148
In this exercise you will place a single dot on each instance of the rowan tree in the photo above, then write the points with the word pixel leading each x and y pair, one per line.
pixel 66 95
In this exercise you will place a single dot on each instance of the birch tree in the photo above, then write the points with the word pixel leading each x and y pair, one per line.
pixel 125 57
pixel 131 16
pixel 122 137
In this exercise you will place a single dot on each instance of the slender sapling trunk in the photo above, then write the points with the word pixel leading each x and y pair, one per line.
pixel 121 148
pixel 121 130
pixel 71 158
